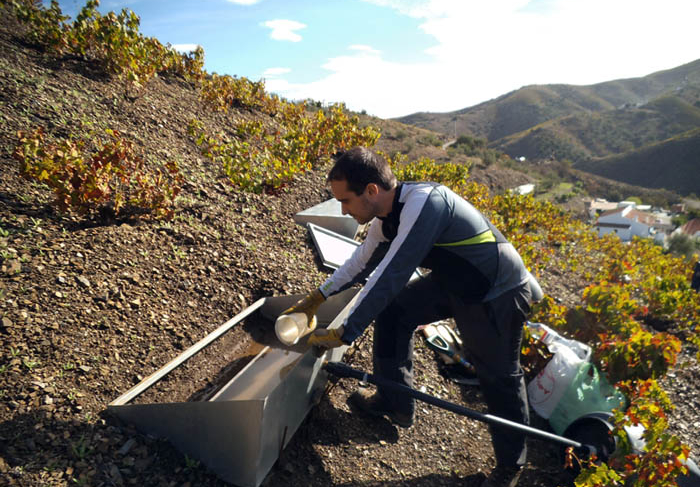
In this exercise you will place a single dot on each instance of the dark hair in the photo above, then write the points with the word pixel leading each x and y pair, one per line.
pixel 360 166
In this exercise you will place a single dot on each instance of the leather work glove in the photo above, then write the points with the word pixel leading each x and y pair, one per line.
pixel 308 305
pixel 325 338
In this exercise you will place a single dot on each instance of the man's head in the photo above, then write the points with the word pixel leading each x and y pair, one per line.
pixel 360 166
pixel 363 183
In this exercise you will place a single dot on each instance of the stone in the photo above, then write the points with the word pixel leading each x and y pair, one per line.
pixel 83 281
pixel 127 446
pixel 13 267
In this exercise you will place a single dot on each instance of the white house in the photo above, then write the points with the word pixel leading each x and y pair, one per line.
pixel 627 222
pixel 599 205
pixel 524 189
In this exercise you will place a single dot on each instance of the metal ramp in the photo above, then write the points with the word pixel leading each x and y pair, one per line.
pixel 240 431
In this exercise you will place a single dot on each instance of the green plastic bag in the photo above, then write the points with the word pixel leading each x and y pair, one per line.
pixel 588 392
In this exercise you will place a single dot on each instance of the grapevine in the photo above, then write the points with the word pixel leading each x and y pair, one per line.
pixel 112 178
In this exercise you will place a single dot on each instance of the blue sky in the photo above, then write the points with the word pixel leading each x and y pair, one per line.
pixel 396 57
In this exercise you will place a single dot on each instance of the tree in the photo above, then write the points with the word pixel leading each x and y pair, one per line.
pixel 682 244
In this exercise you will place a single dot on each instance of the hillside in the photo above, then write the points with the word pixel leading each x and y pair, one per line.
pixel 673 163
pixel 533 105
pixel 92 304
pixel 583 123
pixel 416 143
pixel 585 136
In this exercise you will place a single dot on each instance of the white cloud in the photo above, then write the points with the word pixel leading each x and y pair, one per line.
pixel 185 48
pixel 243 2
pixel 357 80
pixel 412 8
pixel 482 50
pixel 363 48
pixel 275 72
pixel 284 30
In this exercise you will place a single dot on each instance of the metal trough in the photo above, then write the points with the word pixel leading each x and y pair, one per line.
pixel 329 215
pixel 240 431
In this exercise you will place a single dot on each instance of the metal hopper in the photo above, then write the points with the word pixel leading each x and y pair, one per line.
pixel 240 431
pixel 329 215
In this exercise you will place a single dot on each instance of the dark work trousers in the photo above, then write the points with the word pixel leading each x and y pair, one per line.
pixel 492 335
pixel 695 281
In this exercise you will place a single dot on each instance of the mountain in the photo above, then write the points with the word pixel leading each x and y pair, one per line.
pixel 586 124
pixel 671 163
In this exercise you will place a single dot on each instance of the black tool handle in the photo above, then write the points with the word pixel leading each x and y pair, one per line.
pixel 341 369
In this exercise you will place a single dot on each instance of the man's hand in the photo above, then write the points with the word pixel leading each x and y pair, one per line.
pixel 325 338
pixel 308 305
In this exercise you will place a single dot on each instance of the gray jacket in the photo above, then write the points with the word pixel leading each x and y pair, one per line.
pixel 429 226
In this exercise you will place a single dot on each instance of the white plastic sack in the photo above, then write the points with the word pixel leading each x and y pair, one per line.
pixel 548 387
pixel 555 341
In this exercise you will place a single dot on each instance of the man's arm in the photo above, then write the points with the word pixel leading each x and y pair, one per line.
pixel 423 218
pixel 362 261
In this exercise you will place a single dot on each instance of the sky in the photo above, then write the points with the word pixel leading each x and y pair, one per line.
pixel 396 57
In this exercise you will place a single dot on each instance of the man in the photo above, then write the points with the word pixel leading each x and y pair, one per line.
pixel 476 276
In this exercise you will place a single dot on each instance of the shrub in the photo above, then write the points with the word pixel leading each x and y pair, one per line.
pixel 263 159
pixel 111 41
pixel 111 179
pixel 683 244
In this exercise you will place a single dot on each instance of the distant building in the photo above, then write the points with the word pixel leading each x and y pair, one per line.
pixel 627 222
pixel 598 206
pixel 524 189
pixel 691 228
pixel 623 204
pixel 678 208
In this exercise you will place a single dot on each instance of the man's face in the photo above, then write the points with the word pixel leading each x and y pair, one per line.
pixel 360 207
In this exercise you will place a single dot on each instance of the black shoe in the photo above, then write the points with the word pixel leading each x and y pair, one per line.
pixel 376 406
pixel 503 477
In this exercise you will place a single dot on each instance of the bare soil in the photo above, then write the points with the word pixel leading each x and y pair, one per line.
pixel 91 307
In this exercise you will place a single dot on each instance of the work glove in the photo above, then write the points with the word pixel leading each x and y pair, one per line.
pixel 325 338
pixel 308 305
